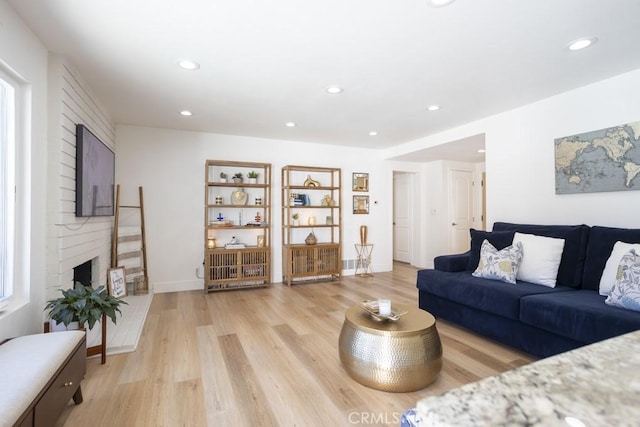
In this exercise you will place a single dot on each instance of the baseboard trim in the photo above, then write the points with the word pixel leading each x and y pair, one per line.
pixel 187 285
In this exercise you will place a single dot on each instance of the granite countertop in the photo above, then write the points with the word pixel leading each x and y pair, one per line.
pixel 595 385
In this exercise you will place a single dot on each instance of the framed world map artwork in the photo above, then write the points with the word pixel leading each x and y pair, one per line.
pixel 600 160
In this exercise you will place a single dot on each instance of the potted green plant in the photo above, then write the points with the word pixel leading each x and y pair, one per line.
pixel 237 178
pixel 253 177
pixel 296 218
pixel 83 304
pixel 223 177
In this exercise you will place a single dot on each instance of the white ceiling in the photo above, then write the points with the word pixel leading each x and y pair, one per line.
pixel 461 150
pixel 264 63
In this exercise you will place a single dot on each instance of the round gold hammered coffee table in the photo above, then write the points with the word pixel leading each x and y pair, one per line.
pixel 400 356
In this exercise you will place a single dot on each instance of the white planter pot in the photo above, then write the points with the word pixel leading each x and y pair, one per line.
pixel 94 336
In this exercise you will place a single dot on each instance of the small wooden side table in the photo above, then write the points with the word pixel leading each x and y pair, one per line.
pixel 363 261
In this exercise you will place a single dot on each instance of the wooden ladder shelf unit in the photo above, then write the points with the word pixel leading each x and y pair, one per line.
pixel 143 243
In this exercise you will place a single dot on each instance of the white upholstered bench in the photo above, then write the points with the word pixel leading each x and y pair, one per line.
pixel 39 374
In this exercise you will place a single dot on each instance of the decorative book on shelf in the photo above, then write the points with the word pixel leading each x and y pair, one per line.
pixel 235 246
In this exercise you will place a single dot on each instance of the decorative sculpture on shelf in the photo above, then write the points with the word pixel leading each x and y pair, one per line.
pixel 239 197
pixel 311 239
pixel 311 182
pixel 327 201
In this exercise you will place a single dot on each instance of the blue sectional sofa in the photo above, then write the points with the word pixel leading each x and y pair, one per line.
pixel 539 320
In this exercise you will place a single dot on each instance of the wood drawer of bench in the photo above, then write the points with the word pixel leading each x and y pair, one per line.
pixel 61 390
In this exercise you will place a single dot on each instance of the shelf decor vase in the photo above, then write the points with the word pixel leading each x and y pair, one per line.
pixel 311 239
pixel 363 234
pixel 238 197
pixel 311 182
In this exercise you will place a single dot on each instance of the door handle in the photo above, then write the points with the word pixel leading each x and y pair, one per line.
pixel 454 223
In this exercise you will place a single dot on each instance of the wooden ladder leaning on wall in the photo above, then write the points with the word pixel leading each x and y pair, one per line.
pixel 117 239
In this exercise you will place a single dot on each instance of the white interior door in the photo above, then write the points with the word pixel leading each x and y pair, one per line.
pixel 460 209
pixel 401 217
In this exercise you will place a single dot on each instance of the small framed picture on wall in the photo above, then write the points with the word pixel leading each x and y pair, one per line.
pixel 360 204
pixel 360 181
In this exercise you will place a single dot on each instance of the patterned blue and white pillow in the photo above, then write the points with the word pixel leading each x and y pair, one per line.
pixel 626 290
pixel 410 418
pixel 499 264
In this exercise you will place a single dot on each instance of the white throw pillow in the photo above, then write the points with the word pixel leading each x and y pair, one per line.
pixel 608 277
pixel 540 258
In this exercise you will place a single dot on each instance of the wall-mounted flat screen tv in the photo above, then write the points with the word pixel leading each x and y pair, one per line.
pixel 95 175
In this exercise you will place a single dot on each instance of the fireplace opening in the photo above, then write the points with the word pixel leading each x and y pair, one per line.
pixel 82 273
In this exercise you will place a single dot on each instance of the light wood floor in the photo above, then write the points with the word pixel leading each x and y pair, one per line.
pixel 265 357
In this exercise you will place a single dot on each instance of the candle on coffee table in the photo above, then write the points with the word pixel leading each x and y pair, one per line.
pixel 384 307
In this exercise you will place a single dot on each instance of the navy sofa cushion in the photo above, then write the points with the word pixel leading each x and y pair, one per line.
pixel 601 242
pixel 499 240
pixel 515 333
pixel 456 262
pixel 575 247
pixel 492 296
pixel 581 315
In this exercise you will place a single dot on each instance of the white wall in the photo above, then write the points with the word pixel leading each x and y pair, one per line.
pixel 72 240
pixel 169 165
pixel 24 56
pixel 520 158
pixel 521 164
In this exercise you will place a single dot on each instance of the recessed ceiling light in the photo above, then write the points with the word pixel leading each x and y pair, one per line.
pixel 433 107
pixel 188 64
pixel 334 90
pixel 185 112
pixel 582 43
pixel 440 3
pixel 373 133
pixel 482 150
pixel 290 125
